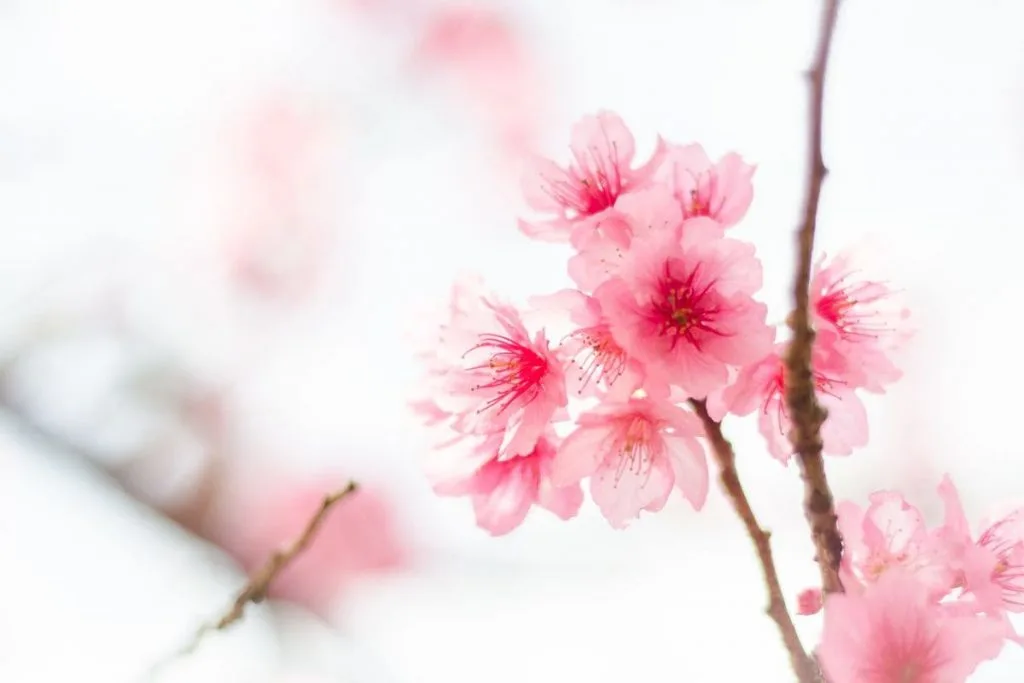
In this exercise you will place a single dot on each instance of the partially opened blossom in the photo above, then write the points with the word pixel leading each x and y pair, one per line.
pixel 893 632
pixel 719 190
pixel 685 309
pixel 358 537
pixel 865 317
pixel 760 387
pixel 634 452
pixel 491 376
pixel 504 491
pixel 809 602
pixel 600 172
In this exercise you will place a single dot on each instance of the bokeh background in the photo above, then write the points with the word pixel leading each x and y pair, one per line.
pixel 224 222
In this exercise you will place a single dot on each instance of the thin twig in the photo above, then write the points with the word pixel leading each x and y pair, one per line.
pixel 807 414
pixel 805 669
pixel 255 591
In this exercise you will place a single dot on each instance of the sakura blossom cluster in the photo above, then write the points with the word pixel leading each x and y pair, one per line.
pixel 663 312
pixel 921 604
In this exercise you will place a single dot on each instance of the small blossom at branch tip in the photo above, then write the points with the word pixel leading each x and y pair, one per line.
pixel 634 452
pixel 809 602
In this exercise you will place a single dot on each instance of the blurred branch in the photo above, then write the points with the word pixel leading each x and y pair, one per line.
pixel 807 414
pixel 255 591
pixel 722 450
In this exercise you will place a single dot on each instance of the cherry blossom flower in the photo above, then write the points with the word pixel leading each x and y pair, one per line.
pixel 503 491
pixel 685 309
pixel 634 452
pixel 893 632
pixel 990 568
pixel 491 377
pixel 719 190
pixel 358 536
pixel 865 317
pixel 601 171
pixel 891 534
pixel 760 387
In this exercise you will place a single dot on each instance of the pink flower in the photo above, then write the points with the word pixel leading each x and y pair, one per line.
pixel 722 191
pixel 603 242
pixel 358 536
pixel 686 309
pixel 483 50
pixel 492 377
pixel 760 386
pixel 864 317
pixel 634 451
pixel 893 632
pixel 503 491
pixel 809 602
pixel 891 534
pixel 601 171
pixel 991 568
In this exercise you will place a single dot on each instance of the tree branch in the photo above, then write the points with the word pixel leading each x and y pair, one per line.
pixel 255 591
pixel 805 669
pixel 806 413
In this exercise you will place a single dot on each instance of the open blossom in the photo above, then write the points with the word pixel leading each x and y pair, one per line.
pixel 600 172
pixel 863 315
pixel 995 575
pixel 504 491
pixel 760 387
pixel 685 309
pixel 634 452
pixel 492 377
pixel 891 534
pixel 719 190
pixel 893 632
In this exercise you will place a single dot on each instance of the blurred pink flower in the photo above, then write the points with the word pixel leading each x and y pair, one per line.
pixel 358 536
pixel 892 632
pixel 483 50
pixel 277 238
pixel 809 602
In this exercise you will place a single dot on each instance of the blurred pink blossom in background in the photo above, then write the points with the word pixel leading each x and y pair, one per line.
pixel 484 52
pixel 358 537
pixel 276 238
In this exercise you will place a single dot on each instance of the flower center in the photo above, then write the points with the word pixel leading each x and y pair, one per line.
pixel 511 372
pixel 635 454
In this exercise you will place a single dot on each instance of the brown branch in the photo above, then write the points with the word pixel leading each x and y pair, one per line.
pixel 805 669
pixel 255 591
pixel 806 413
